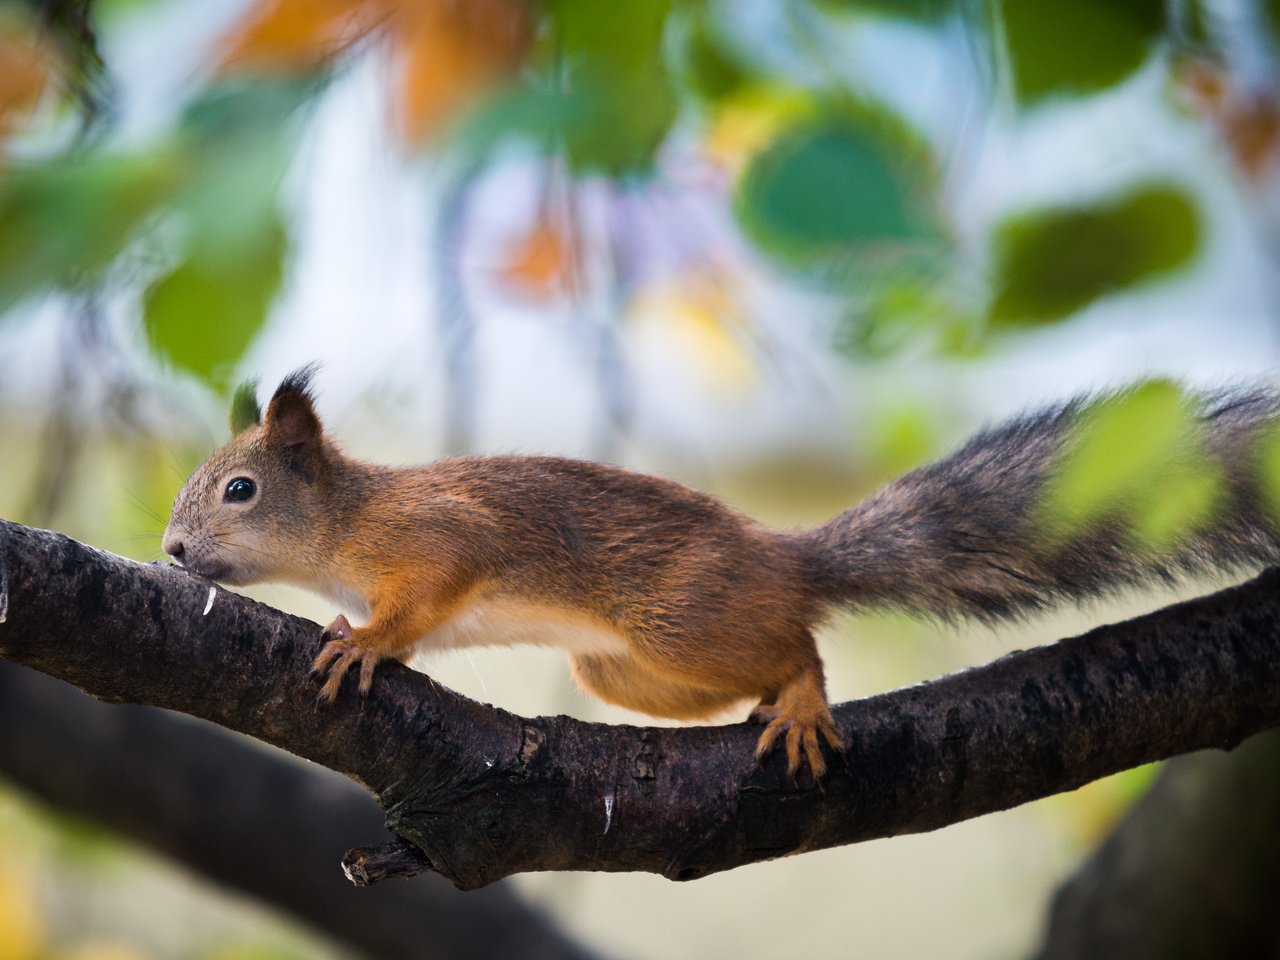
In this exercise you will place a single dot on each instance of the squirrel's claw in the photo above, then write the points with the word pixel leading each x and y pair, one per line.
pixel 340 629
pixel 338 655
pixel 802 729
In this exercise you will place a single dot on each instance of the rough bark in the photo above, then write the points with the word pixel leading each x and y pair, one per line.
pixel 482 793
pixel 251 819
pixel 1193 870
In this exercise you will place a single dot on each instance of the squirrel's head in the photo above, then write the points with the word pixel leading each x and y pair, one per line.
pixel 254 509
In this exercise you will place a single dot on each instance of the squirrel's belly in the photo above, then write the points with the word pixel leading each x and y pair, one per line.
pixel 510 622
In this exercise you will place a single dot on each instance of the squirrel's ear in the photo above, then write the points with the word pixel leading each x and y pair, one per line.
pixel 291 419
pixel 245 412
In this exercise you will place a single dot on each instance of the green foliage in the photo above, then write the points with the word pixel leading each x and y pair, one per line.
pixel 604 95
pixel 245 411
pixel 1136 458
pixel 1270 11
pixel 1076 46
pixel 1268 465
pixel 844 193
pixel 203 314
pixel 1051 262
pixel 922 10
pixel 63 221
pixel 710 69
pixel 830 187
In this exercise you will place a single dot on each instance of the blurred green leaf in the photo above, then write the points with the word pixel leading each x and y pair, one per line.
pixel 601 126
pixel 253 950
pixel 907 307
pixel 825 188
pixel 63 220
pixel 245 108
pixel 1051 262
pixel 902 438
pixel 616 75
pixel 604 96
pixel 1136 458
pixel 923 10
pixel 1270 17
pixel 203 314
pixel 711 70
pixel 1268 460
pixel 1076 46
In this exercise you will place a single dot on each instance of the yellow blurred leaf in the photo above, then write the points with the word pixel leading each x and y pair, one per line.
pixel 22 931
pixel 700 317
pixel 541 264
pixel 1091 812
pixel 102 950
pixel 746 123
pixel 451 52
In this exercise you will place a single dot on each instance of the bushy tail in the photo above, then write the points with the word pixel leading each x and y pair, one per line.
pixel 970 535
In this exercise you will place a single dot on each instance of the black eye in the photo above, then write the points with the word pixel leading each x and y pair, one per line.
pixel 240 489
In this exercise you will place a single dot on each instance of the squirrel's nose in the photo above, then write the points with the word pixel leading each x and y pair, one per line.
pixel 173 546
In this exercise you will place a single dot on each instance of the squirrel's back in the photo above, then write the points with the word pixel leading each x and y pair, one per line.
pixel 970 535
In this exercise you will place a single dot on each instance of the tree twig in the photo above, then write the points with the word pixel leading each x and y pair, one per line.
pixel 485 794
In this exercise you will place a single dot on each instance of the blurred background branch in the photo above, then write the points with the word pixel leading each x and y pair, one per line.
pixel 259 822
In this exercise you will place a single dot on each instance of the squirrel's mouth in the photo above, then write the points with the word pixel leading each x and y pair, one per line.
pixel 213 569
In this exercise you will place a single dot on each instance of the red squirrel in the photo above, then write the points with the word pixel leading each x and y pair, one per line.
pixel 667 601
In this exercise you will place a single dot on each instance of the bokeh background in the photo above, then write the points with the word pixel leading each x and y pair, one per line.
pixel 781 250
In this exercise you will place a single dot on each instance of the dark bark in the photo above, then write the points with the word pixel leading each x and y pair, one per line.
pixel 484 794
pixel 1193 870
pixel 249 818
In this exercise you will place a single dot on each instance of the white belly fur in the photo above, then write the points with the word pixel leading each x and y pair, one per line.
pixel 498 622
pixel 349 600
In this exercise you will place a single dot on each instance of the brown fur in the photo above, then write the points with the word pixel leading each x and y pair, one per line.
pixel 668 601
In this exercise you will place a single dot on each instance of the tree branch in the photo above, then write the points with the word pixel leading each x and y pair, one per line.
pixel 484 794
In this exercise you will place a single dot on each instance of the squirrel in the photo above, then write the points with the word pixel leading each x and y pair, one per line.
pixel 668 601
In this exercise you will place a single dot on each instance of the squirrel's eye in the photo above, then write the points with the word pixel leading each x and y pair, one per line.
pixel 240 489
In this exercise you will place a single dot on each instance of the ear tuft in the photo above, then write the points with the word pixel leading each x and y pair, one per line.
pixel 245 412
pixel 299 382
pixel 291 415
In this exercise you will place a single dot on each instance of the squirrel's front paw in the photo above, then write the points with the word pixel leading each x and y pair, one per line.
pixel 338 655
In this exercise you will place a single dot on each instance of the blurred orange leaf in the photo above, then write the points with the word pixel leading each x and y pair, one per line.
pixel 1247 121
pixel 1252 131
pixel 447 51
pixel 541 264
pixel 452 51
pixel 26 67
pixel 297 34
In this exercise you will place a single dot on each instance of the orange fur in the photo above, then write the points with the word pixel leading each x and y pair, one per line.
pixel 667 601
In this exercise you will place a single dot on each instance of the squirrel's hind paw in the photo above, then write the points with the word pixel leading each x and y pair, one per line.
pixel 802 717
